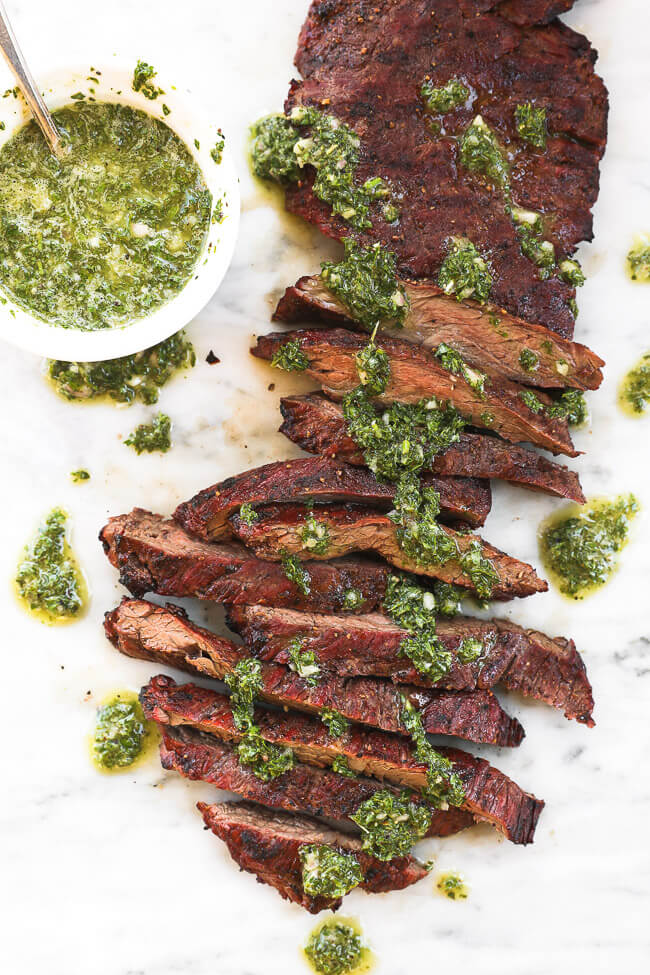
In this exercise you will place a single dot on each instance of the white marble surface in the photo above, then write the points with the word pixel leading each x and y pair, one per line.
pixel 114 875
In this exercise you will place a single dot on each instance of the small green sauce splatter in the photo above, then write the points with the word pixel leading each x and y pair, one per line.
pixel 150 437
pixel 303 662
pixel 579 545
pixel 336 947
pixel 438 100
pixel 341 765
pixel 125 380
pixel 142 81
pixel 314 535
pixel 634 393
pixel 530 123
pixel 453 886
pixel 638 260
pixel 48 581
pixel 80 475
pixel 122 735
pixel 296 574
pixel 337 726
pixel 216 153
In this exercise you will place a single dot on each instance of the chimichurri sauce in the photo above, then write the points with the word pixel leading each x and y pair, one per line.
pixel 453 886
pixel 108 233
pixel 634 394
pixel 335 947
pixel 579 545
pixel 122 735
pixel 48 580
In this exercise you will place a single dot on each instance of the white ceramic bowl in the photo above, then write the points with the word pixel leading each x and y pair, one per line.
pixel 189 122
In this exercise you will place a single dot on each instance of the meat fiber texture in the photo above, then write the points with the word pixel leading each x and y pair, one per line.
pixel 365 64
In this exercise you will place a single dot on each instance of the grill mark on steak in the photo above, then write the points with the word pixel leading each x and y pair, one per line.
pixel 368 73
pixel 153 554
pixel 278 528
pixel 489 794
pixel 140 629
pixel 320 479
pixel 486 336
pixel 305 788
pixel 538 666
pixel 267 844
pixel 416 375
pixel 317 425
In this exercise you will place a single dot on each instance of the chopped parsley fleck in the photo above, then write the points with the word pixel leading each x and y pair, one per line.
pixel 480 152
pixel 444 787
pixel 635 389
pixel 247 514
pixel 296 574
pixel 245 683
pixel 638 262
pixel 464 272
pixel 149 437
pixel 580 549
pixel 438 100
pixel 454 362
pixel 391 824
pixel 216 153
pixel 142 81
pixel 334 948
pixel 290 357
pixel 452 886
pixel 315 536
pixel 373 368
pixel 303 662
pixel 531 400
pixel 572 273
pixel 570 406
pixel 120 733
pixel 530 123
pixel 366 282
pixel 352 599
pixel 528 360
pixel 469 650
pixel 127 379
pixel 328 872
pixel 341 765
pixel 337 725
pixel 48 579
pixel 540 252
pixel 80 475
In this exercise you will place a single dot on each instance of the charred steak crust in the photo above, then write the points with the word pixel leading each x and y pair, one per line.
pixel 317 425
pixel 319 479
pixel 267 844
pixel 368 70
pixel 490 795
pixel 302 789
pixel 486 336
pixel 153 554
pixel 416 375
pixel 278 528
pixel 149 631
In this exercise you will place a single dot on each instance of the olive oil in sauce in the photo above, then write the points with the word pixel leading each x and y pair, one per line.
pixel 579 545
pixel 109 232
pixel 452 886
pixel 336 947
pixel 122 738
pixel 638 260
pixel 49 582
pixel 634 391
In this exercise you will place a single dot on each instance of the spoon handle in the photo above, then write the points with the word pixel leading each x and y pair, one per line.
pixel 14 58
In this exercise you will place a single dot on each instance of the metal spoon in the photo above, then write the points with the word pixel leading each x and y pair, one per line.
pixel 14 58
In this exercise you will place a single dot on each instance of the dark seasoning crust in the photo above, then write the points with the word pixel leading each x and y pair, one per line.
pixel 349 729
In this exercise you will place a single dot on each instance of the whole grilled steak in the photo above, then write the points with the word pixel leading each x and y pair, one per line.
pixel 317 425
pixel 489 794
pixel 416 374
pixel 140 629
pixel 153 554
pixel 547 669
pixel 279 529
pixel 268 845
pixel 320 479
pixel 485 335
pixel 366 65
pixel 302 789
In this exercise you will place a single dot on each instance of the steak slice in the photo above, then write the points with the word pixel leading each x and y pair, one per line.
pixel 489 794
pixel 317 425
pixel 305 788
pixel 416 375
pixel 156 555
pixel 369 645
pixel 268 845
pixel 551 670
pixel 538 666
pixel 279 530
pixel 319 479
pixel 367 67
pixel 140 629
pixel 486 336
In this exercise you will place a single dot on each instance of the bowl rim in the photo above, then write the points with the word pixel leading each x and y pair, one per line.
pixel 190 121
